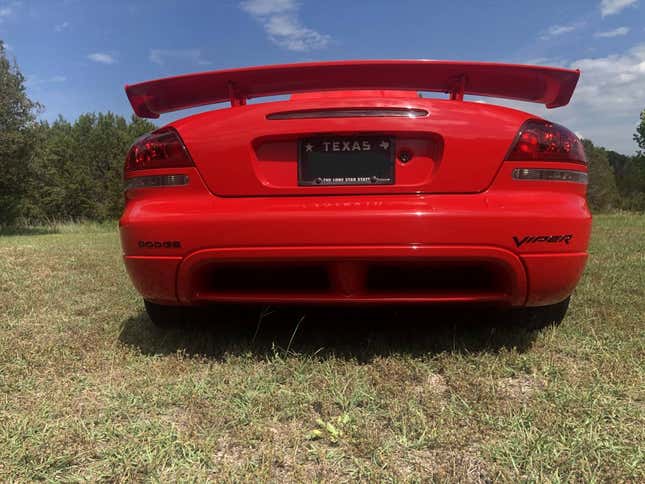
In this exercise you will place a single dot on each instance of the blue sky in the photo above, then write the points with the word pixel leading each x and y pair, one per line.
pixel 78 54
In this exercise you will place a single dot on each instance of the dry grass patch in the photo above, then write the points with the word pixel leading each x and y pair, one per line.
pixel 520 388
pixel 90 390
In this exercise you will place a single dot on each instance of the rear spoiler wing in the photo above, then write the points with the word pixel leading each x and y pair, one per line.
pixel 550 86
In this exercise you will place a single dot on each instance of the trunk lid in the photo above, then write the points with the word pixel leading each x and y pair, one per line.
pixel 457 147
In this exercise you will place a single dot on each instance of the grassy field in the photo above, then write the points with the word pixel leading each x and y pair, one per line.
pixel 91 390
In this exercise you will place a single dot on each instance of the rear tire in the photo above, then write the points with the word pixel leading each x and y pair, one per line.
pixel 535 318
pixel 164 317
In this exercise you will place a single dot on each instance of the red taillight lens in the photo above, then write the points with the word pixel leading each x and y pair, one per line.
pixel 161 149
pixel 540 140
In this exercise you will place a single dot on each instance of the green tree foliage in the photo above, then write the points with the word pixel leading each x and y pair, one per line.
pixel 78 167
pixel 17 115
pixel 618 163
pixel 632 183
pixel 630 172
pixel 60 170
pixel 639 135
pixel 602 193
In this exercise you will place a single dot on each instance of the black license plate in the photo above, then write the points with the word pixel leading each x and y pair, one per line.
pixel 346 160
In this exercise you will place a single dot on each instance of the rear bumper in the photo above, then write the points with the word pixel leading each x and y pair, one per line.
pixel 502 277
pixel 357 249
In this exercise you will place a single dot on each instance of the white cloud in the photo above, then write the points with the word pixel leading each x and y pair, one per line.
pixel 536 61
pixel 557 30
pixel 102 58
pixel 607 102
pixel 283 26
pixel 34 80
pixel 615 83
pixel 161 56
pixel 61 27
pixel 8 9
pixel 268 7
pixel 561 29
pixel 544 61
pixel 611 7
pixel 613 33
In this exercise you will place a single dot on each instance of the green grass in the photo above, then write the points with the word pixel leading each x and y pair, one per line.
pixel 90 390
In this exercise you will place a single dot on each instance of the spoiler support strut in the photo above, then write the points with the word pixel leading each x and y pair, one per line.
pixel 235 96
pixel 458 89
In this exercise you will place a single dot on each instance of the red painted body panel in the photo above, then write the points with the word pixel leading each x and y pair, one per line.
pixel 359 228
pixel 156 281
pixel 260 159
pixel 553 276
pixel 448 229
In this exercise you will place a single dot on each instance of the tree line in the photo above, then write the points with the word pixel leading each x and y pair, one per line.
pixel 73 170
pixel 61 170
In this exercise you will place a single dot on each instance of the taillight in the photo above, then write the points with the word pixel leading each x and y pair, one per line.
pixel 160 149
pixel 540 140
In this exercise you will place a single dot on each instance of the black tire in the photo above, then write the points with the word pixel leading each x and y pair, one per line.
pixel 540 317
pixel 164 317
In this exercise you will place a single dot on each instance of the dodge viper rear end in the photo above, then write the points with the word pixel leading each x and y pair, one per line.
pixel 356 190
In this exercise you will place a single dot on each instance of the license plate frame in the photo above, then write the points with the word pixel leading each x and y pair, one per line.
pixel 346 160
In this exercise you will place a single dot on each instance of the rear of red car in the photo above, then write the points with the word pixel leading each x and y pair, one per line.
pixel 357 196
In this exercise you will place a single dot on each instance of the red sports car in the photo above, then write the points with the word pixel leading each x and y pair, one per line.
pixel 356 189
